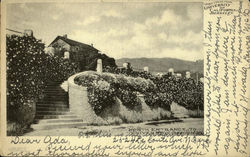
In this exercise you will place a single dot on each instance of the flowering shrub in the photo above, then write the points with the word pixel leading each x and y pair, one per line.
pixel 100 92
pixel 103 88
pixel 59 69
pixel 128 97
pixel 158 99
pixel 29 68
pixel 191 96
pixel 165 89
pixel 100 95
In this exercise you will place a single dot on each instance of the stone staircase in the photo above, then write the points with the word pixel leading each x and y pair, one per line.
pixel 52 112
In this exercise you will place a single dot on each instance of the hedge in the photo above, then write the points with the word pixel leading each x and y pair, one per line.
pixel 103 88
pixel 185 92
pixel 29 69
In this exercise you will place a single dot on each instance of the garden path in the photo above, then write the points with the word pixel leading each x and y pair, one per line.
pixel 196 124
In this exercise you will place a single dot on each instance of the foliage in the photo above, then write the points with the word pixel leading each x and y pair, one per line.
pixel 158 99
pixel 185 92
pixel 128 97
pixel 89 61
pixel 100 94
pixel 159 91
pixel 29 68
pixel 190 95
pixel 103 88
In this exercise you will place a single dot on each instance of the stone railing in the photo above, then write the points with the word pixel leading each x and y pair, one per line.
pixel 78 101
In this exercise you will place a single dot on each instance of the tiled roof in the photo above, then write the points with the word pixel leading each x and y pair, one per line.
pixel 73 43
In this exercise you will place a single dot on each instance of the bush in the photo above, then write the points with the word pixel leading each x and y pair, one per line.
pixel 29 68
pixel 121 86
pixel 157 99
pixel 100 92
pixel 190 95
pixel 100 95
pixel 21 117
pixel 165 89
pixel 158 91
pixel 128 97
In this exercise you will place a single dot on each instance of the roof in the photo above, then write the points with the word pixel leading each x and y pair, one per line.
pixel 73 43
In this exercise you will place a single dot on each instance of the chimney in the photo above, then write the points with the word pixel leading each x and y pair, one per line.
pixel 92 44
pixel 28 32
pixel 65 35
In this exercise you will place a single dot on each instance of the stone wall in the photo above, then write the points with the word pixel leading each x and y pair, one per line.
pixel 78 101
pixel 181 112
pixel 117 113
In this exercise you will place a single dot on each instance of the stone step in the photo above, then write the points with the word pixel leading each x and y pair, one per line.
pixel 52 108
pixel 54 116
pixel 52 112
pixel 51 88
pixel 46 116
pixel 55 93
pixel 57 125
pixel 61 120
pixel 49 102
pixel 53 83
pixel 54 89
pixel 52 102
pixel 67 116
pixel 54 98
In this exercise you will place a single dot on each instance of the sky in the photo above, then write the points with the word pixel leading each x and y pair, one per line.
pixel 120 30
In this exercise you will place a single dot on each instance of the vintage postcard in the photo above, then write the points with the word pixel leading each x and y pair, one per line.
pixel 125 78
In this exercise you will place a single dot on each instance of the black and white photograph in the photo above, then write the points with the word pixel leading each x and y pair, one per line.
pixel 116 68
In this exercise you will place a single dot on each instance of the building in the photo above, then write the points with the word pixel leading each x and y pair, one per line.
pixel 70 49
pixel 84 55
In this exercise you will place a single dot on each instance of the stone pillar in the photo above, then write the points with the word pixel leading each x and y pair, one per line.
pixel 125 65
pixel 178 75
pixel 171 70
pixel 99 66
pixel 159 75
pixel 146 69
pixel 202 79
pixel 188 75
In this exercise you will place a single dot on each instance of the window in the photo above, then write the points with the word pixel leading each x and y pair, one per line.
pixel 66 55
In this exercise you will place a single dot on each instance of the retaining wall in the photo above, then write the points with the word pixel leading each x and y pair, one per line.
pixel 117 113
pixel 78 101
